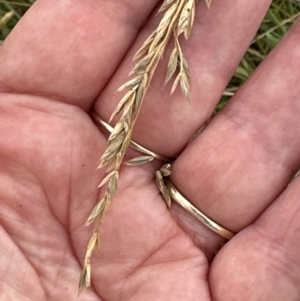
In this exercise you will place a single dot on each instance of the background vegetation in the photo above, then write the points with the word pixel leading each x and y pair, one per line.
pixel 277 22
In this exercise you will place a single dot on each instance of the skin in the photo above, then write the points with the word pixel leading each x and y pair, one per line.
pixel 65 57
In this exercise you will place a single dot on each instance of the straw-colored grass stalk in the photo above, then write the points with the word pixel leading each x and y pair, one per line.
pixel 178 19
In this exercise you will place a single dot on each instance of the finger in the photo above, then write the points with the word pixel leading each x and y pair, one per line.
pixel 68 50
pixel 263 262
pixel 166 123
pixel 249 152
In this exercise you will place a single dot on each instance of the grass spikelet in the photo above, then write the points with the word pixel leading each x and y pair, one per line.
pixel 6 18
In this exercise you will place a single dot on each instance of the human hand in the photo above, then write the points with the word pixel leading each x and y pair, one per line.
pixel 54 66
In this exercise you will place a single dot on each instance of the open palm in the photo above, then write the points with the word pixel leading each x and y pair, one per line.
pixel 66 57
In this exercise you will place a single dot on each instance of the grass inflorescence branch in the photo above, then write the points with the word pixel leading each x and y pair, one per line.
pixel 178 19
